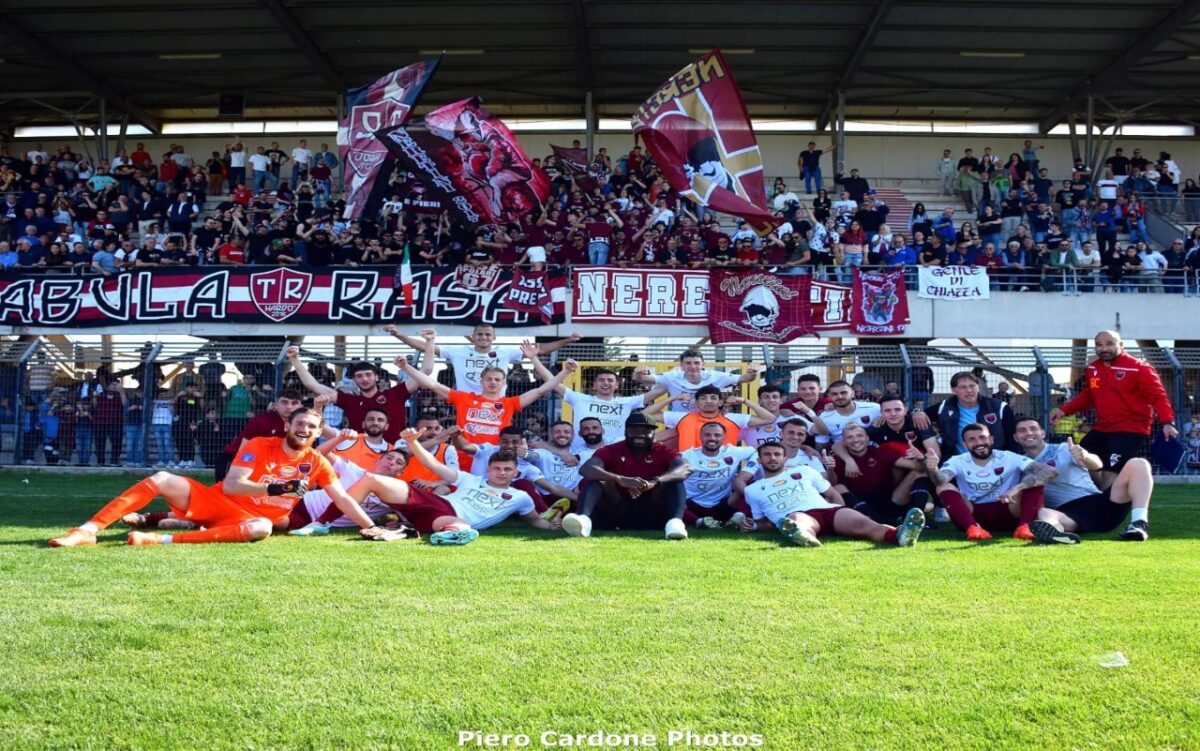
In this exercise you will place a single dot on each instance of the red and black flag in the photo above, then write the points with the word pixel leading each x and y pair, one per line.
pixel 697 129
pixel 469 160
pixel 384 103
pixel 575 161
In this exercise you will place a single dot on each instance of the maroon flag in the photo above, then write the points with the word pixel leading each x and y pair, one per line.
pixel 878 303
pixel 576 163
pixel 381 104
pixel 755 306
pixel 470 160
pixel 696 128
pixel 527 293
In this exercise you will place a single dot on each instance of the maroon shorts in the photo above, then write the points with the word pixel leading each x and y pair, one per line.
pixel 423 508
pixel 824 517
pixel 995 515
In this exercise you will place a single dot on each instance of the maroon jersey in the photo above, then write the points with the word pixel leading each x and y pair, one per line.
pixel 599 231
pixel 620 460
pixel 266 425
pixel 110 409
pixel 876 467
pixel 394 401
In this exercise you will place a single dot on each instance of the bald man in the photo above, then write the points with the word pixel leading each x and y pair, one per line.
pixel 1128 396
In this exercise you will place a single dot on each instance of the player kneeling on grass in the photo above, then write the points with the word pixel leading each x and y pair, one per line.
pixel 1002 490
pixel 803 505
pixel 632 484
pixel 1073 502
pixel 711 497
pixel 474 504
pixel 268 477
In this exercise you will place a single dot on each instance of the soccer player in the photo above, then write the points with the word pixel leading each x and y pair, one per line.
pixel 438 441
pixel 794 439
pixel 363 448
pixel 803 506
pixel 559 460
pixel 898 433
pixel 470 360
pixel 636 483
pixel 481 416
pixel 1128 396
pixel 317 513
pixel 394 401
pixel 967 407
pixel 1002 490
pixel 882 489
pixel 690 377
pixel 512 441
pixel 602 404
pixel 475 504
pixel 685 427
pixel 266 481
pixel 845 410
pixel 1073 502
pixel 770 398
pixel 808 394
pixel 715 464
pixel 269 424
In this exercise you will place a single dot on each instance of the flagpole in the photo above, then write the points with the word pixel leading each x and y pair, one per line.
pixel 341 116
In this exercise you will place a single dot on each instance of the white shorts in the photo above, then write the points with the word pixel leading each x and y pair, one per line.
pixel 536 254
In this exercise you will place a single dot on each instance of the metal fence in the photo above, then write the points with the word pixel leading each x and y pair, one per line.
pixel 173 404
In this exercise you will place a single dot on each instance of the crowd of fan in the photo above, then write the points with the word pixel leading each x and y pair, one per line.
pixel 137 212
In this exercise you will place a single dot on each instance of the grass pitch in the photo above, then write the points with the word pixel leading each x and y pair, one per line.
pixel 338 644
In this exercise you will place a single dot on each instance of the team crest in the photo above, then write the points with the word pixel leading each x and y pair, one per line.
pixel 729 460
pixel 866 419
pixel 305 467
pixel 998 470
pixel 797 475
pixel 1051 462
pixel 506 496
pixel 989 419
pixel 1120 374
pixel 910 435
pixel 279 293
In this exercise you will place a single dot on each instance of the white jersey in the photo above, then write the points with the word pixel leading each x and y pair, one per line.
pixel 479 464
pixel 318 502
pixel 558 471
pixel 612 413
pixel 864 414
pixel 985 484
pixel 763 433
pixel 483 506
pixel 711 479
pixel 675 383
pixel 801 459
pixel 469 363
pixel 786 493
pixel 1073 481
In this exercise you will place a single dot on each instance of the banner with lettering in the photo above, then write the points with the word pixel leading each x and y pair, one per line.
pixel 607 294
pixel 953 283
pixel 878 303
pixel 758 306
pixel 264 295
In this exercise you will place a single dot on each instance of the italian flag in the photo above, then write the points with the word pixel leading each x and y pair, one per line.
pixel 406 279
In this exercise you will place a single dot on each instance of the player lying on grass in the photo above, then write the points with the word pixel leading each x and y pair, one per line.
pixel 1002 490
pixel 1073 502
pixel 474 504
pixel 803 506
pixel 268 477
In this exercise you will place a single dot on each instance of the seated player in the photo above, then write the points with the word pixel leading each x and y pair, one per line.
pixel 794 439
pixel 845 411
pixel 803 506
pixel 1074 505
pixel 715 464
pixel 267 479
pixel 1003 490
pixel 881 489
pixel 632 484
pixel 317 514
pixel 558 461
pixel 529 478
pixel 439 442
pixel 474 504
pixel 685 426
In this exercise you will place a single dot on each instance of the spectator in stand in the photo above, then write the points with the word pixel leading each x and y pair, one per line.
pixel 852 248
pixel 1105 225
pixel 809 162
pixel 947 171
pixel 970 187
pixel 855 185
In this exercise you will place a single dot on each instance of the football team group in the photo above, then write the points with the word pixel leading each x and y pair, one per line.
pixel 679 456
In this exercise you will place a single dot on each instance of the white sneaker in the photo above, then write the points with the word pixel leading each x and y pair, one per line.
pixel 578 525
pixel 676 530
pixel 708 522
pixel 735 521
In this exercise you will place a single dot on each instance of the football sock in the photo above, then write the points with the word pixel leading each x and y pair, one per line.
pixel 1031 503
pixel 1140 515
pixel 137 497
pixel 960 512
pixel 227 533
pixel 890 536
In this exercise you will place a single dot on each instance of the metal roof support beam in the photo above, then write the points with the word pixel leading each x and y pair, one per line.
pixel 850 67
pixel 1116 68
pixel 304 43
pixel 584 45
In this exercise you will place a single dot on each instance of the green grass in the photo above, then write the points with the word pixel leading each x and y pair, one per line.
pixel 338 644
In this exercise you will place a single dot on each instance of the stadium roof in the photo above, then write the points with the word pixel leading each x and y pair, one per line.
pixel 1012 60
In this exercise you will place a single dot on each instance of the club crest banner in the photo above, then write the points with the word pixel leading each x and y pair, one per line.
pixel 878 303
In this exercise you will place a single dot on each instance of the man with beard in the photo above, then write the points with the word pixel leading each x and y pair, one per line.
pixel 267 479
pixel 317 514
pixel 845 411
pixel 529 477
pixel 559 460
pixel 269 424
pixel 602 404
pixel 365 448
pixel 710 493
pixel 437 440
pixel 1073 502
pixel 803 506
pixel 882 487
pixel 690 377
pixel 794 439
pixel 950 416
pixel 1128 396
pixel 1002 490
pixel 898 433
pixel 685 427
pixel 632 484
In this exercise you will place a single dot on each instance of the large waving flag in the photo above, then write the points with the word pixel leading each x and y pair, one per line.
pixel 384 103
pixel 697 129
pixel 470 160
pixel 575 161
